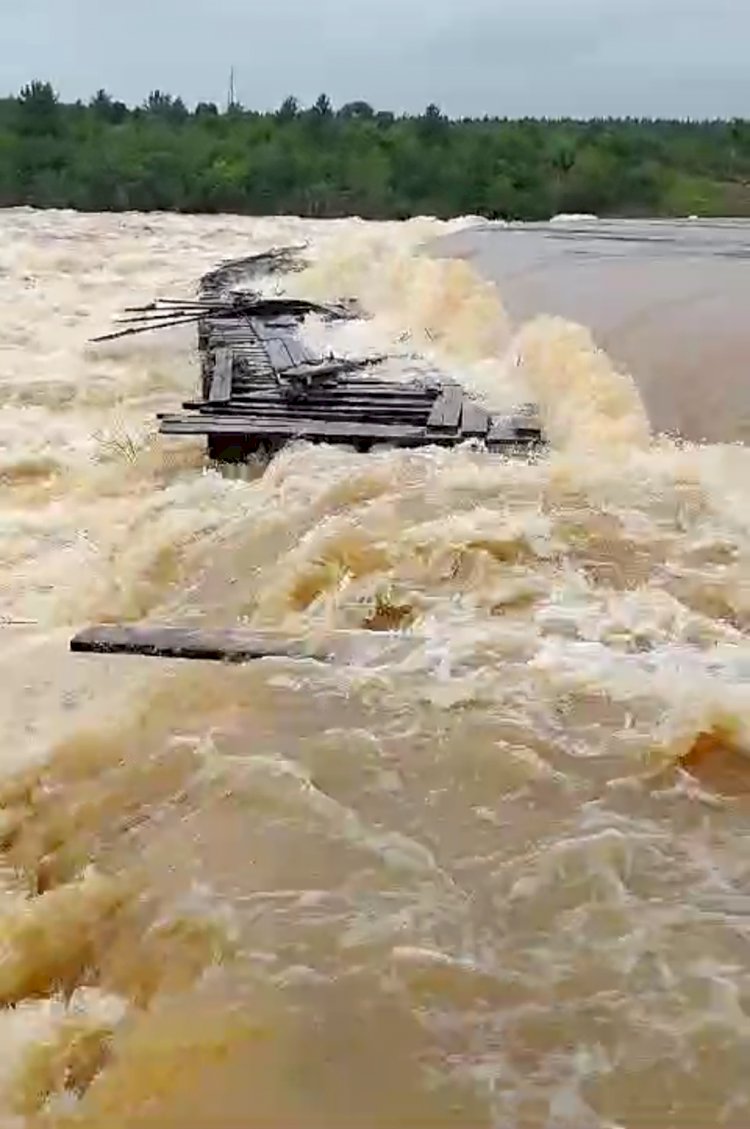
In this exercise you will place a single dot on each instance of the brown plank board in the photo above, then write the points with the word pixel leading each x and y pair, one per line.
pixel 235 645
pixel 446 410
pixel 475 421
pixel 220 388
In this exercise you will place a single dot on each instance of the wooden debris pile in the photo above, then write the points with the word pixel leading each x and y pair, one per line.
pixel 263 386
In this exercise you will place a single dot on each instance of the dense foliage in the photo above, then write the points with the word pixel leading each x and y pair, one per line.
pixel 358 161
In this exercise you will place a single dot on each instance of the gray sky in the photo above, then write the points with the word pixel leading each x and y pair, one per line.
pixel 555 57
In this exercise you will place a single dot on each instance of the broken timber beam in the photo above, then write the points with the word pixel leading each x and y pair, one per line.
pixel 234 645
pixel 446 410
pixel 239 645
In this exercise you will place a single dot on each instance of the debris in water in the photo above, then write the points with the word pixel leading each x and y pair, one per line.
pixel 263 386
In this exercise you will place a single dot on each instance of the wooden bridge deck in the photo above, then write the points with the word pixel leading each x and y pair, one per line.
pixel 262 386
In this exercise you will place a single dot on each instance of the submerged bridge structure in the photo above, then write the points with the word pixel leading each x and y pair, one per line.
pixel 263 385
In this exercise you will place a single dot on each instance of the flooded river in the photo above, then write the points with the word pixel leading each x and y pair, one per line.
pixel 667 300
pixel 493 876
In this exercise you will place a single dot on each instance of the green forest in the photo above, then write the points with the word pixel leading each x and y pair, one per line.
pixel 325 161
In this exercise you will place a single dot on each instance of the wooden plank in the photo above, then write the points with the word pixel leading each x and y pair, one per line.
pixel 301 428
pixel 503 433
pixel 235 645
pixel 354 383
pixel 446 410
pixel 239 645
pixel 527 426
pixel 475 421
pixel 301 356
pixel 257 390
pixel 278 355
pixel 303 411
pixel 311 368
pixel 255 400
pixel 271 327
pixel 303 408
pixel 234 332
pixel 220 388
pixel 249 349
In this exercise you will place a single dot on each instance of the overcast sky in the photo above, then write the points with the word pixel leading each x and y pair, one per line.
pixel 555 57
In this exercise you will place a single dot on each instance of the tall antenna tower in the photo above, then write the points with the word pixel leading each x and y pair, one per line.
pixel 231 99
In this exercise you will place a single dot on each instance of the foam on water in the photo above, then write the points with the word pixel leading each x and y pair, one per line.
pixel 467 882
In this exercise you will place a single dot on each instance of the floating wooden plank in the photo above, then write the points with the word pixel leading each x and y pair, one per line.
pixel 234 645
pixel 475 421
pixel 446 410
pixel 220 388
pixel 242 645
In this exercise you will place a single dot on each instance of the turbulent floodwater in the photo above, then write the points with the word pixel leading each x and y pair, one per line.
pixel 493 875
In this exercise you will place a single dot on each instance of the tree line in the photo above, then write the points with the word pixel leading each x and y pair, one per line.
pixel 322 161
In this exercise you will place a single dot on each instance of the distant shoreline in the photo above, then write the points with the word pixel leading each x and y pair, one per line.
pixel 357 161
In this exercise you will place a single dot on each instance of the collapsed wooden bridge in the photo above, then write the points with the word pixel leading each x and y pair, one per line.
pixel 263 385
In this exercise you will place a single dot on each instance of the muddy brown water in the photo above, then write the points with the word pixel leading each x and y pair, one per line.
pixel 666 300
pixel 495 875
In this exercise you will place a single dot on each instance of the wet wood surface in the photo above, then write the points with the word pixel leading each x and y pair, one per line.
pixel 234 645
